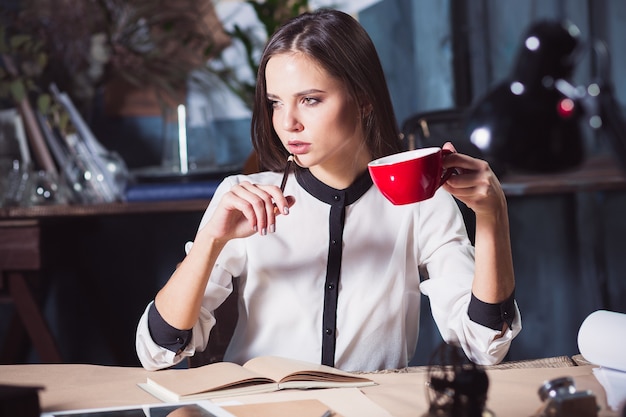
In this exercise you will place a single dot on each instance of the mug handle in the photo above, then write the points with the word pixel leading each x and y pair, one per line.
pixel 447 173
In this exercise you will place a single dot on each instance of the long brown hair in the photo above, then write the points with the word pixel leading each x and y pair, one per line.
pixel 340 45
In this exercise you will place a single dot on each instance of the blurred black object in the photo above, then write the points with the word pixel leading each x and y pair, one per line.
pixel 20 401
pixel 525 122
pixel 456 386
pixel 434 128
pixel 532 121
pixel 601 109
pixel 561 399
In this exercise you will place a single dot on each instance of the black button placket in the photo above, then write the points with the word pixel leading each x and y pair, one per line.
pixel 338 201
pixel 333 270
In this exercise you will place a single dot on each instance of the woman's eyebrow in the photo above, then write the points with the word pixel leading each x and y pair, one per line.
pixel 298 94
pixel 307 92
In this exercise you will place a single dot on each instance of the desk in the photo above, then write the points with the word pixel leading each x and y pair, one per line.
pixel 512 392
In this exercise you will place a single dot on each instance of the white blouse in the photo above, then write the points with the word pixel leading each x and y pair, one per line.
pixel 382 260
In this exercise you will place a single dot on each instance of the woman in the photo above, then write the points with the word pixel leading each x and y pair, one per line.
pixel 329 270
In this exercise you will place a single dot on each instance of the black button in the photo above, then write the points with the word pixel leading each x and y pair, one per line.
pixel 329 332
pixel 179 340
pixel 336 198
pixel 333 242
pixel 331 286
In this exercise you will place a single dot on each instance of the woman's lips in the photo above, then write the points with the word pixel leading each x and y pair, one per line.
pixel 298 148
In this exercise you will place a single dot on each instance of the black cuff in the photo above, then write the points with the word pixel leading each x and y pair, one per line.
pixel 164 334
pixel 492 315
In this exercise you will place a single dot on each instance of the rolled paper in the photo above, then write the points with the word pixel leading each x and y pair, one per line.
pixel 602 339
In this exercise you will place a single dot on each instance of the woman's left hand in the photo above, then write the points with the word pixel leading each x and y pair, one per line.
pixel 475 184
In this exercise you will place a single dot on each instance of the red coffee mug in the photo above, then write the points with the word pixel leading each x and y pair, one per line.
pixel 410 176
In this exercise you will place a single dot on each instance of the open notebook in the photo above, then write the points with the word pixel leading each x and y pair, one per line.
pixel 258 375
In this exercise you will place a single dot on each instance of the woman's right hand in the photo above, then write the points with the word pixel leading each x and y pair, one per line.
pixel 247 209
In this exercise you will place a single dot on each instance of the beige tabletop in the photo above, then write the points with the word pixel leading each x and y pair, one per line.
pixel 512 388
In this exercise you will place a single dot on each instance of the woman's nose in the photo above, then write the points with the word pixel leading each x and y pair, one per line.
pixel 291 122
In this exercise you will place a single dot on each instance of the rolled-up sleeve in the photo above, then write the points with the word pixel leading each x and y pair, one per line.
pixel 495 315
pixel 483 344
pixel 165 335
pixel 448 263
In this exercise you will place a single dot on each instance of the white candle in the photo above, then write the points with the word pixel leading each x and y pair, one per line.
pixel 182 139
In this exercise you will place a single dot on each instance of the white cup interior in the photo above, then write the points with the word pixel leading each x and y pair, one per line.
pixel 404 156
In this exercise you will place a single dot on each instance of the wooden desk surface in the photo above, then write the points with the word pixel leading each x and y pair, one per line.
pixel 512 391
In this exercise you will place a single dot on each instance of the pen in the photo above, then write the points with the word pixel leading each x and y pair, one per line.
pixel 286 174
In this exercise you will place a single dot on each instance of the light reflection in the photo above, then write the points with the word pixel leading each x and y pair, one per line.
pixel 573 30
pixel 532 43
pixel 593 90
pixel 481 137
pixel 595 122
pixel 517 88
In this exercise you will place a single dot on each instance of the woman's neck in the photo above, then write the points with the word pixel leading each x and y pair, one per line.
pixel 343 175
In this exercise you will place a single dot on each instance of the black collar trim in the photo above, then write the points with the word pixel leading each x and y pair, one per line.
pixel 330 195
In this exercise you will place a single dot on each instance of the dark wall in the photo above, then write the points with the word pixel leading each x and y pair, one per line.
pixel 102 273
pixel 98 274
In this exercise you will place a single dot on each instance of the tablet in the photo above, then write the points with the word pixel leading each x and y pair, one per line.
pixel 196 409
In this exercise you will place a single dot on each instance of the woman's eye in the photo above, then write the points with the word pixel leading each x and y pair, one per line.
pixel 310 101
pixel 274 103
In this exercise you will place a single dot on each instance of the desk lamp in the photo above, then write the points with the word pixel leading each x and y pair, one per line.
pixel 531 122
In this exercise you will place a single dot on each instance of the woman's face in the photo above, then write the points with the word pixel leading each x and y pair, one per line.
pixel 313 115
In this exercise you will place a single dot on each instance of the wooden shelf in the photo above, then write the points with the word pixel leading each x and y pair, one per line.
pixel 38 212
pixel 598 173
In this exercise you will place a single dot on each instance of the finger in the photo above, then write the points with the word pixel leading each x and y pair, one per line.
pixel 466 179
pixel 279 208
pixel 280 203
pixel 449 146
pixel 465 163
pixel 234 201
pixel 261 204
pixel 462 193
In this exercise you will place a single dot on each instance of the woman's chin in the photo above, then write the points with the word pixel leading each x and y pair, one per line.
pixel 299 162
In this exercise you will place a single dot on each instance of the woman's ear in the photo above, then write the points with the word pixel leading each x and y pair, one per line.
pixel 366 109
